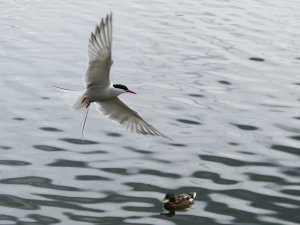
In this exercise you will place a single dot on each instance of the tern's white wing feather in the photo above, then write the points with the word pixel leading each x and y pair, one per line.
pixel 100 45
pixel 116 110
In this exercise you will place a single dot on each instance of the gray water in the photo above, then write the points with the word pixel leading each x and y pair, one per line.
pixel 219 77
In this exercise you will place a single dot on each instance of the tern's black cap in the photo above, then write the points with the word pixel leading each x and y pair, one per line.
pixel 120 86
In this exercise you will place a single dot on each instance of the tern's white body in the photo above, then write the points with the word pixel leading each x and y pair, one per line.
pixel 100 94
pixel 100 91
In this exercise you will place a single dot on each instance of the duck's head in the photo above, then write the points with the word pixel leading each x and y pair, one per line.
pixel 170 197
pixel 122 89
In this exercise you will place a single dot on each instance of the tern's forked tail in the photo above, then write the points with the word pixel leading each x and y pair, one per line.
pixel 74 100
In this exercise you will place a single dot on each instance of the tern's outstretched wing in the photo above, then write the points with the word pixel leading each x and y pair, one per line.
pixel 100 45
pixel 116 110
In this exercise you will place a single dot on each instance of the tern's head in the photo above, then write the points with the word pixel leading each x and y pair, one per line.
pixel 122 88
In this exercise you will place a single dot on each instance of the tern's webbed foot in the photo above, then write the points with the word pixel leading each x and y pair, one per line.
pixel 86 101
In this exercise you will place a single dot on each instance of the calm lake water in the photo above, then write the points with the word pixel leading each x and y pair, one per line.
pixel 219 77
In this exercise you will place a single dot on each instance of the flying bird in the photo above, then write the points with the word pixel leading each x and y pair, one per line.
pixel 100 91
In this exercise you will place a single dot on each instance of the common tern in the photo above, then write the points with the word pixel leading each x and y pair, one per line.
pixel 100 91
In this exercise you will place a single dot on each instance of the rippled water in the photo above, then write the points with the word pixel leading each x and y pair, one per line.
pixel 219 77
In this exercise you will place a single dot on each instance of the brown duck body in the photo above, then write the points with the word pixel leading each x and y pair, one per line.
pixel 182 201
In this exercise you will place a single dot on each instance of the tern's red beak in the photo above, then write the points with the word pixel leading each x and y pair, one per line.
pixel 132 92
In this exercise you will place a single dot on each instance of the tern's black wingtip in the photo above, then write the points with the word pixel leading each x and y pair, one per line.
pixel 166 137
pixel 170 139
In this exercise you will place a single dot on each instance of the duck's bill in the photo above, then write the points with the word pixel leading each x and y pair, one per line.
pixel 165 200
pixel 130 91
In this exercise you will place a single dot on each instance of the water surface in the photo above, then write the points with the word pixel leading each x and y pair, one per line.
pixel 221 78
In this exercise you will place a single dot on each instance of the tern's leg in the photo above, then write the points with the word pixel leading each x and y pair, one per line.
pixel 86 101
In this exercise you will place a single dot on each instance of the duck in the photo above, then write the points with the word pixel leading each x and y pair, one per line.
pixel 182 201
